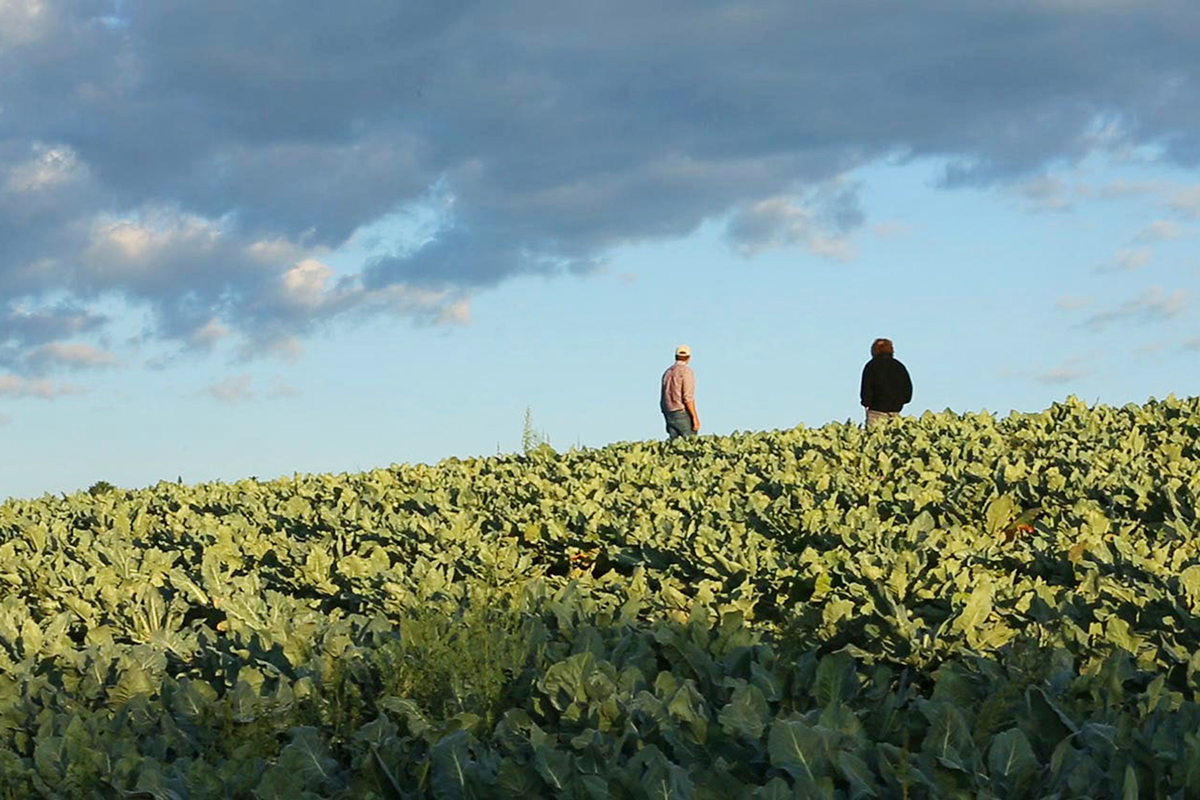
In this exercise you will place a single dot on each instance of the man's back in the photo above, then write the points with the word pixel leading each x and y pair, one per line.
pixel 678 387
pixel 886 385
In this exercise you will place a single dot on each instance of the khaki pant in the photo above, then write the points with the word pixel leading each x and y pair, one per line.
pixel 879 417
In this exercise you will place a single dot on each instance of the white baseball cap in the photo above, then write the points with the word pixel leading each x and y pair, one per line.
pixel 683 351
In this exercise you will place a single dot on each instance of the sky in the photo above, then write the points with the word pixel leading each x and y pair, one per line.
pixel 250 240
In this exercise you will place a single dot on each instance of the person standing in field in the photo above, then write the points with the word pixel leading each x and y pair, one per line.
pixel 886 386
pixel 678 398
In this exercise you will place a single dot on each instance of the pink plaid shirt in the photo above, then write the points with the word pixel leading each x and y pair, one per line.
pixel 678 387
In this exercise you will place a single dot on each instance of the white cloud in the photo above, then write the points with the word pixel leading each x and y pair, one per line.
pixel 403 300
pixel 148 243
pixel 34 326
pixel 1153 305
pixel 16 386
pixel 287 348
pixel 1181 200
pixel 1127 260
pixel 209 333
pixel 51 167
pixel 1072 303
pixel 307 283
pixel 234 389
pixel 21 21
pixel 209 185
pixel 1192 344
pixel 281 390
pixel 1119 189
pixel 278 250
pixel 1185 201
pixel 835 248
pixel 769 224
pixel 4 419
pixel 1044 193
pixel 781 222
pixel 457 313
pixel 68 354
pixel 1160 231
pixel 281 347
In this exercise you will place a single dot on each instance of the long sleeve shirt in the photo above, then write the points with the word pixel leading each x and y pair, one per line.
pixel 885 384
pixel 678 387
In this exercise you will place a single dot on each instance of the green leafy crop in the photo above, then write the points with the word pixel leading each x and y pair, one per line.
pixel 953 606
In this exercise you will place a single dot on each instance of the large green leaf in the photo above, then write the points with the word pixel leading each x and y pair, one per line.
pixel 566 682
pixel 999 512
pixel 516 780
pixel 971 620
pixel 661 779
pixel 453 767
pixel 948 739
pixel 154 783
pixel 555 766
pixel 1129 789
pixel 795 747
pixel 1189 581
pixel 836 680
pixel 308 756
pixel 775 789
pixel 1050 723
pixel 854 771
pixel 746 714
pixel 1012 764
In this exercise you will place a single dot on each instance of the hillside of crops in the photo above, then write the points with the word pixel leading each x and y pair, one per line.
pixel 952 606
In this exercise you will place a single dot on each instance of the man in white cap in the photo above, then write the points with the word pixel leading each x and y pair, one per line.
pixel 678 399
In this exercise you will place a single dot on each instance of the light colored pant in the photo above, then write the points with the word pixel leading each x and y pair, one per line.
pixel 879 417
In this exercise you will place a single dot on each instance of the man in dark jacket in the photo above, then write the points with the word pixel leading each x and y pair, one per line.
pixel 886 386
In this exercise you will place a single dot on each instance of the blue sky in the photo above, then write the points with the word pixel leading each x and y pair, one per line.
pixel 273 241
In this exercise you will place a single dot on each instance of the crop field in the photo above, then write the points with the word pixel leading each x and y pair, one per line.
pixel 955 606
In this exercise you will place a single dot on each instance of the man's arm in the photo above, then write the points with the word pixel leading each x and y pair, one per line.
pixel 689 398
pixel 864 389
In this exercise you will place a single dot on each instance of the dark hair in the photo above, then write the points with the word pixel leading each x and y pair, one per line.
pixel 882 347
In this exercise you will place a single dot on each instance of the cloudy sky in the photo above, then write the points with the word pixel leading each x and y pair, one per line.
pixel 257 238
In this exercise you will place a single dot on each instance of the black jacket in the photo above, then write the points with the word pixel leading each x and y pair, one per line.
pixel 885 384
